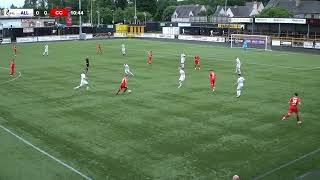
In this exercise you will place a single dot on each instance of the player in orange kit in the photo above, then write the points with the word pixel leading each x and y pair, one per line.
pixel 294 103
pixel 99 50
pixel 197 62
pixel 123 84
pixel 150 57
pixel 15 50
pixel 12 68
pixel 212 76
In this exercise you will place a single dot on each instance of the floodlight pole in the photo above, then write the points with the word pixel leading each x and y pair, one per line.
pixel 135 11
pixel 80 24
pixel 91 13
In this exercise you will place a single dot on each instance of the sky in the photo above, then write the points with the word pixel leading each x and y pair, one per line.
pixel 7 3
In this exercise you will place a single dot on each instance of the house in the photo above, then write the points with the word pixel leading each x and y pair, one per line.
pixel 300 8
pixel 184 13
pixel 250 9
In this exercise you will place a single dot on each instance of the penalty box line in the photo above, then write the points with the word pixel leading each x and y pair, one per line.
pixel 250 63
pixel 45 153
pixel 287 164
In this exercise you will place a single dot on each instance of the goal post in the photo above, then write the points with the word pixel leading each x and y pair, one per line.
pixel 253 41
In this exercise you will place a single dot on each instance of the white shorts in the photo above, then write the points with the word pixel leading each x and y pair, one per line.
pixel 182 65
pixel 239 87
pixel 123 51
pixel 83 82
pixel 182 78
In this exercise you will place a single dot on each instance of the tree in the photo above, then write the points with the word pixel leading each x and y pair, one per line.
pixel 121 4
pixel 147 6
pixel 161 6
pixel 276 12
pixel 168 13
pixel 13 6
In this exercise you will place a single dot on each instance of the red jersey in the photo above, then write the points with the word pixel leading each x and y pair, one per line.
pixel 196 59
pixel 12 65
pixel 150 54
pixel 294 101
pixel 124 82
pixel 212 76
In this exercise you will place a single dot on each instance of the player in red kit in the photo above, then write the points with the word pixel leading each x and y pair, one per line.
pixel 123 84
pixel 212 76
pixel 150 57
pixel 15 50
pixel 197 62
pixel 294 102
pixel 99 50
pixel 12 68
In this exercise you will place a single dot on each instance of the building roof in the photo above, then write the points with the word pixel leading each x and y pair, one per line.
pixel 304 7
pixel 239 11
pixel 184 10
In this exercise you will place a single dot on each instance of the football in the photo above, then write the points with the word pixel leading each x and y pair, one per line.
pixel 129 91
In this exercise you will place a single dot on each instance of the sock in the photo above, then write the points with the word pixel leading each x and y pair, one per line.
pixel 125 89
pixel 118 91
pixel 298 118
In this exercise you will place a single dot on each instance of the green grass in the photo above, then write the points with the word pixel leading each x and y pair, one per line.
pixel 158 131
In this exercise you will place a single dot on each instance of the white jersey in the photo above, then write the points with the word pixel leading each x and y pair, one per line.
pixel 46 47
pixel 83 77
pixel 182 75
pixel 240 81
pixel 182 58
pixel 238 63
pixel 123 47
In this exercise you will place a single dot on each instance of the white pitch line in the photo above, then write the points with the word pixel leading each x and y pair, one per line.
pixel 45 153
pixel 250 63
pixel 286 164
pixel 10 79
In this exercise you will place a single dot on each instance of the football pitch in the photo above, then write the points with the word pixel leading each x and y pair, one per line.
pixel 157 131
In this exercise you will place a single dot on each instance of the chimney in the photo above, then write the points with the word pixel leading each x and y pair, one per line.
pixel 298 2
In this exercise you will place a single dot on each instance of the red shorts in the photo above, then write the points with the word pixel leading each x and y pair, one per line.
pixel 196 62
pixel 293 109
pixel 12 72
pixel 123 87
pixel 212 82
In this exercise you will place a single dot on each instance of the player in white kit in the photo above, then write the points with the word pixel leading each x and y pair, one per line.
pixel 127 70
pixel 238 66
pixel 83 81
pixel 182 77
pixel 123 49
pixel 239 84
pixel 46 50
pixel 182 60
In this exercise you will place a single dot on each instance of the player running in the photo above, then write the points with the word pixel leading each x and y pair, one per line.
pixel 83 81
pixel 239 84
pixel 197 62
pixel 182 60
pixel 123 85
pixel 99 50
pixel 123 50
pixel 127 70
pixel 14 50
pixel 294 103
pixel 212 76
pixel 182 76
pixel 87 64
pixel 46 50
pixel 12 64
pixel 238 66
pixel 150 57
